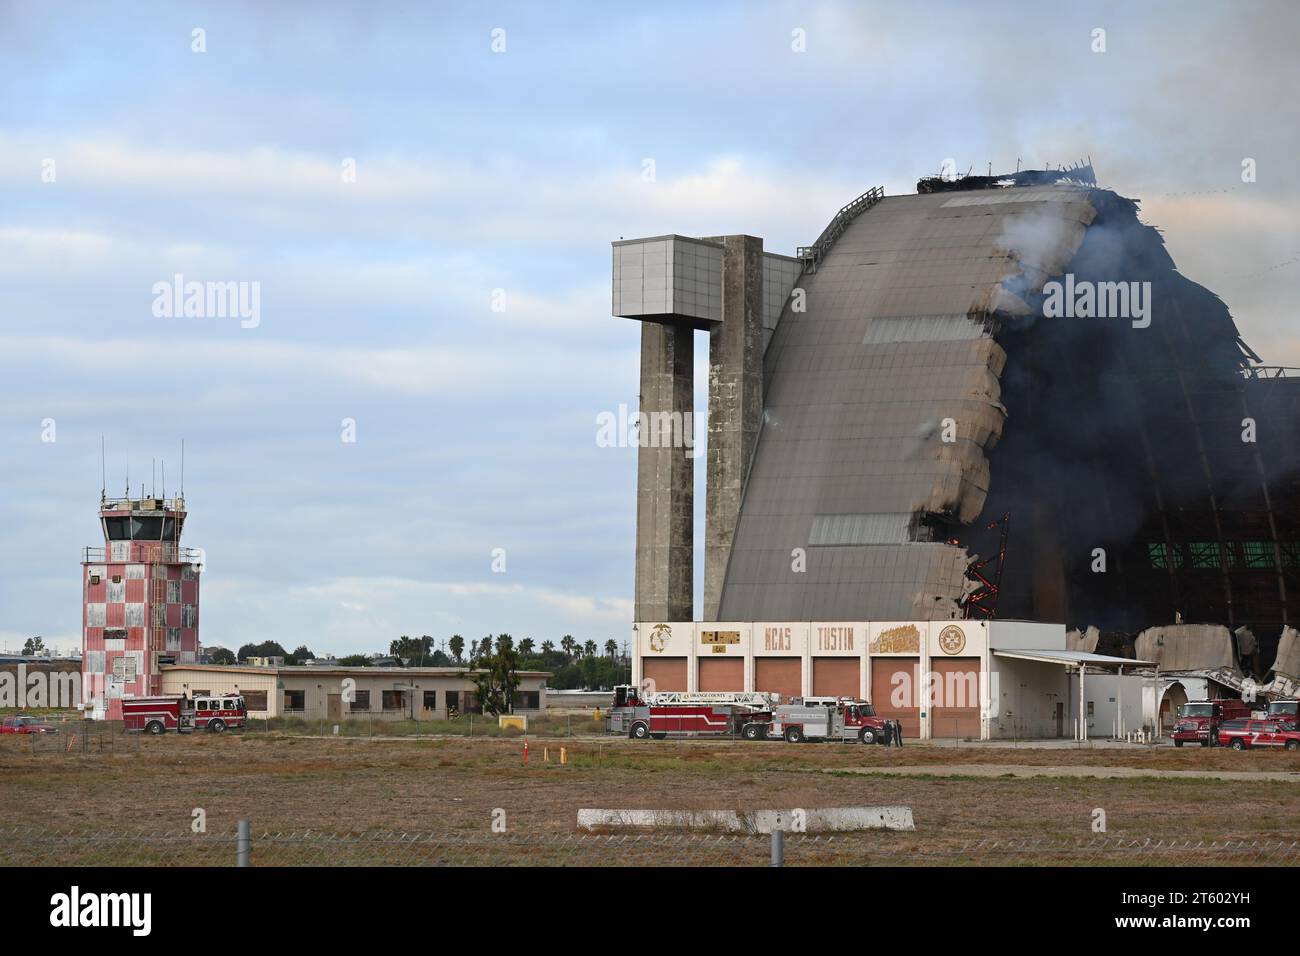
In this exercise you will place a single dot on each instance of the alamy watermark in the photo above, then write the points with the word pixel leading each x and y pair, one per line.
pixel 626 429
pixel 42 688
pixel 1083 299
pixel 208 300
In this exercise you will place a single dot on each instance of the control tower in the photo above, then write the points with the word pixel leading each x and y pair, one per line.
pixel 140 601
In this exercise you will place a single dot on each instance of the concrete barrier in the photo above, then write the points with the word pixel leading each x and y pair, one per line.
pixel 821 820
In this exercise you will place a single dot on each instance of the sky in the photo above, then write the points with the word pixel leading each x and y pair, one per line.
pixel 423 196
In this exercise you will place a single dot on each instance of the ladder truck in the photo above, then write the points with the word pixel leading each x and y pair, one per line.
pixel 689 714
pixel 750 715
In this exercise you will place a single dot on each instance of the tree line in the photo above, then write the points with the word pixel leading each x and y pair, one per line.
pixel 573 664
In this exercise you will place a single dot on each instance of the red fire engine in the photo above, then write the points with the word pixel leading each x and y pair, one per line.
pixel 704 714
pixel 749 715
pixel 1195 718
pixel 156 715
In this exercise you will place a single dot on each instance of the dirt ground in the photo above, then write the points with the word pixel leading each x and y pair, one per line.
pixel 360 785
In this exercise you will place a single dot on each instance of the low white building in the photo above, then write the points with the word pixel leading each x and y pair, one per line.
pixel 966 679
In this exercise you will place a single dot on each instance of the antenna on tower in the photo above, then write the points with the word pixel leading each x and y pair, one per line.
pixel 153 477
pixel 182 469
pixel 103 472
pixel 164 480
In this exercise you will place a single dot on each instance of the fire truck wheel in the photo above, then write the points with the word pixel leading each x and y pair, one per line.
pixel 868 736
pixel 1205 742
pixel 751 732
pixel 1293 744
pixel 216 726
pixel 155 727
pixel 793 735
pixel 1177 742
pixel 1237 744
pixel 659 736
pixel 639 732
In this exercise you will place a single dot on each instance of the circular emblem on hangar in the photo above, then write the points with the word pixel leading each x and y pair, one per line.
pixel 952 639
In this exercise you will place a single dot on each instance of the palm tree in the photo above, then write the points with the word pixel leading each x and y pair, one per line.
pixel 526 647
pixel 611 649
pixel 568 644
pixel 589 648
pixel 457 646
pixel 548 647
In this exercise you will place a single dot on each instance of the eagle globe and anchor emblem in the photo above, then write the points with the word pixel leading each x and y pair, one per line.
pixel 952 639
pixel 659 636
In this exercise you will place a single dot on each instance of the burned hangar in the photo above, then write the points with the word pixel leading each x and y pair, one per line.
pixel 994 397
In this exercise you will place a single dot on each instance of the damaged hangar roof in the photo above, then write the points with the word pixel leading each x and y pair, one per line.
pixel 881 400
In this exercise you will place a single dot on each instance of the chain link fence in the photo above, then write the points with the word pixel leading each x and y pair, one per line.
pixel 78 736
pixel 37 847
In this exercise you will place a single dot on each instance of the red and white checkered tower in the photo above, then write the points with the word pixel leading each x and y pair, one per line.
pixel 140 601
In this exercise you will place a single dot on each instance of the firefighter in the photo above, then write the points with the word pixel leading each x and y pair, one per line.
pixel 898 733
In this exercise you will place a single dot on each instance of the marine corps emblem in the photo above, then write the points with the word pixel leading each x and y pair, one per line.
pixel 659 636
pixel 952 639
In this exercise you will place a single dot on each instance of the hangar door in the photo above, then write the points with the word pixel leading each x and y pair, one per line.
pixel 779 675
pixel 666 673
pixel 725 674
pixel 956 697
pixel 835 677
pixel 897 698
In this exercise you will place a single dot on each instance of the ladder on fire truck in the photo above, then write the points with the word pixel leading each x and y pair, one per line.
pixel 755 699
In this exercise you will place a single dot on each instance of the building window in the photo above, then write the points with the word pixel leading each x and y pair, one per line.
pixel 119 550
pixel 1257 554
pixel 135 572
pixel 255 700
pixel 188 615
pixel 392 700
pixel 115 592
pixel 362 701
pixel 173 592
pixel 173 638
pixel 159 615
pixel 1164 556
pixel 94 615
pixel 1204 554
pixel 135 615
pixel 294 700
pixel 430 700
pixel 465 701
pixel 527 700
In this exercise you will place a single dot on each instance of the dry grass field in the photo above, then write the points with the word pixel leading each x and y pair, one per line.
pixel 453 786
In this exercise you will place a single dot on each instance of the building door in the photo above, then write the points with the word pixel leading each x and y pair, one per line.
pixel 722 675
pixel 894 691
pixel 1060 719
pixel 779 675
pixel 334 707
pixel 665 673
pixel 835 677
pixel 955 708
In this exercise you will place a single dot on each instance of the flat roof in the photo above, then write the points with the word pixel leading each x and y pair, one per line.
pixel 347 671
pixel 1065 657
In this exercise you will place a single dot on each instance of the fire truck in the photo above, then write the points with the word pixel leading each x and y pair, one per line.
pixel 157 715
pixel 748 715
pixel 1195 717
pixel 1285 709
pixel 681 714
pixel 841 719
